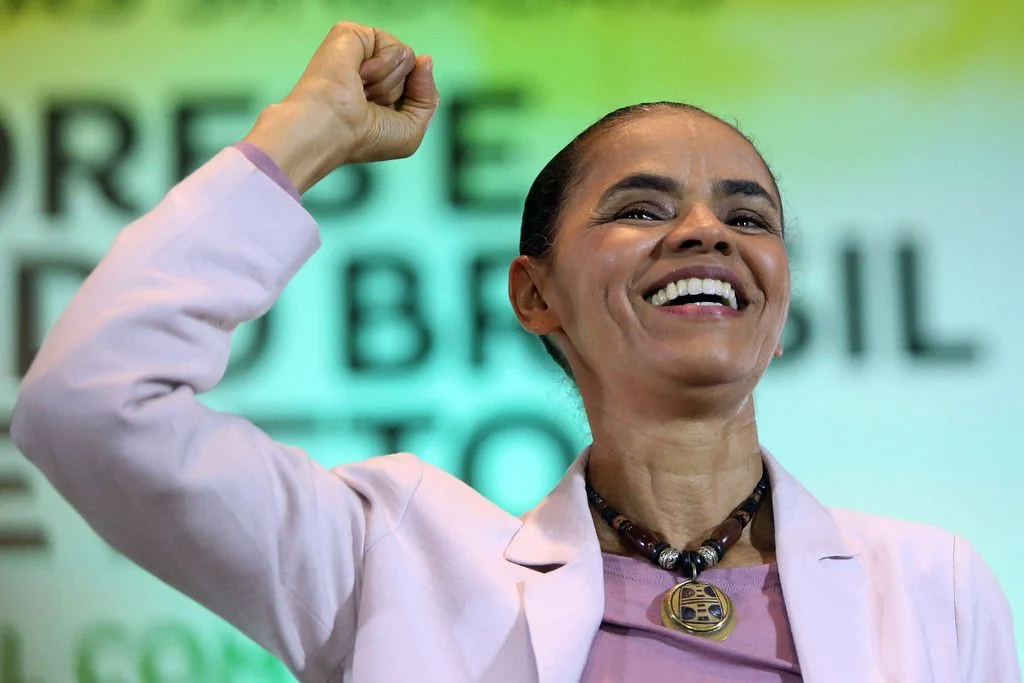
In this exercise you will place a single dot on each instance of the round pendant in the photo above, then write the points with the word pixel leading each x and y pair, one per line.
pixel 700 609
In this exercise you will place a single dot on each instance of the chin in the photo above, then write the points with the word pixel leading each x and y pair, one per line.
pixel 709 376
pixel 713 367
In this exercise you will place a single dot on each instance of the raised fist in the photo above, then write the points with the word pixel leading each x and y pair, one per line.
pixel 365 96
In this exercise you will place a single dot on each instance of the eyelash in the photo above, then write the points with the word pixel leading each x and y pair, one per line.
pixel 657 214
pixel 758 222
pixel 631 213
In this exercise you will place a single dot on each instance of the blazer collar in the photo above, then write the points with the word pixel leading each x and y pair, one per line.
pixel 563 598
pixel 803 526
pixel 822 581
pixel 560 529
pixel 823 585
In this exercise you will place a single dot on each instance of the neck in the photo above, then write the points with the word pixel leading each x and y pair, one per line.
pixel 680 478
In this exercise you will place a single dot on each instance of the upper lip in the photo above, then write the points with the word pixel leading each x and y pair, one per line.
pixel 703 272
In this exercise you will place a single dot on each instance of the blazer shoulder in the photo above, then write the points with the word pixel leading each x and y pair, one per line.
pixel 401 485
pixel 945 577
pixel 386 484
pixel 870 534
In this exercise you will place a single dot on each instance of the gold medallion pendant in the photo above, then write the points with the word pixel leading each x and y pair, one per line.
pixel 700 609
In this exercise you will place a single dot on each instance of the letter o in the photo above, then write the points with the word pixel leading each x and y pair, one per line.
pixel 171 654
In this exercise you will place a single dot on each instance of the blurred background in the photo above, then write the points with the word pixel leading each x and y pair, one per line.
pixel 895 130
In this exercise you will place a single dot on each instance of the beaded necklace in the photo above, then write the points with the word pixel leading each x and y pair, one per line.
pixel 695 607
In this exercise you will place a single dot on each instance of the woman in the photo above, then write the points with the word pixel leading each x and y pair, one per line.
pixel 654 268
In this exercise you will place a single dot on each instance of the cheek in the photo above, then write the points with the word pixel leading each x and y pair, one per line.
pixel 594 280
pixel 771 268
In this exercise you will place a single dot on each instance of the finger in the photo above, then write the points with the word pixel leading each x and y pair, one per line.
pixel 388 90
pixel 346 46
pixel 420 99
pixel 413 113
pixel 386 53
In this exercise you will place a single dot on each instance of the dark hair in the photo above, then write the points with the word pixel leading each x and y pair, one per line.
pixel 549 190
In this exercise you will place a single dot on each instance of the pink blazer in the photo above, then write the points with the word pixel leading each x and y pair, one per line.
pixel 391 569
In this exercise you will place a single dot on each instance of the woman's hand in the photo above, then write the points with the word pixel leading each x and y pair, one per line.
pixel 365 96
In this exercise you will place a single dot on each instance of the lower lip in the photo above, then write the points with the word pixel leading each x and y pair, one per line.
pixel 716 312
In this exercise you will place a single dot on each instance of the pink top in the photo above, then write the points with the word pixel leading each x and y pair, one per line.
pixel 632 645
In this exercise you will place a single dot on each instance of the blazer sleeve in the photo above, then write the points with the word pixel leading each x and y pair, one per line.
pixel 984 624
pixel 255 530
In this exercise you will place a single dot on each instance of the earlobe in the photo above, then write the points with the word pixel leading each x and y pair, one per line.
pixel 525 279
pixel 778 351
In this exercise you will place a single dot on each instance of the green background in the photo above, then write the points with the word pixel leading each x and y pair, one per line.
pixel 890 124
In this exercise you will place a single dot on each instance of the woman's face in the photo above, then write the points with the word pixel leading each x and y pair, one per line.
pixel 670 196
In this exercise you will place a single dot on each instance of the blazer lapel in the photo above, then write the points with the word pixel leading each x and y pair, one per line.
pixel 824 587
pixel 563 595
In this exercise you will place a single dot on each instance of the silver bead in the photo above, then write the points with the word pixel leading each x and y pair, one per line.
pixel 668 558
pixel 709 555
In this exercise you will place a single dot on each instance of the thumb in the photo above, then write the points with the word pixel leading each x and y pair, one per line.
pixel 420 98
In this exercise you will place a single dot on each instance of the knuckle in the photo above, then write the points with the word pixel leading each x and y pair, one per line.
pixel 346 29
pixel 344 26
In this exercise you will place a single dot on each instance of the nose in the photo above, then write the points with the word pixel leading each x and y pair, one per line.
pixel 700 231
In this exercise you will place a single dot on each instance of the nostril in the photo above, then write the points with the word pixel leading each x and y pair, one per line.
pixel 722 246
pixel 690 243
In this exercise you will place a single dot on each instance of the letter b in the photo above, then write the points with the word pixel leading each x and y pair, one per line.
pixel 386 332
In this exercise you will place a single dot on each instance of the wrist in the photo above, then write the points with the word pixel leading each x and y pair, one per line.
pixel 293 137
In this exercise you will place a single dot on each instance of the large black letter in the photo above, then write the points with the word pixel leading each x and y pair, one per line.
pixel 915 339
pixel 342 191
pixel 12 661
pixel 61 162
pixel 467 160
pixel 853 289
pixel 6 157
pixel 32 277
pixel 383 307
pixel 17 537
pixel 796 336
pixel 393 431
pixel 189 153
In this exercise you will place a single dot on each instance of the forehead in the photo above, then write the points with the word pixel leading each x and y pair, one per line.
pixel 691 147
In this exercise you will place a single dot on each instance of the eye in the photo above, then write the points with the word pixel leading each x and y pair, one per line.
pixel 749 221
pixel 643 213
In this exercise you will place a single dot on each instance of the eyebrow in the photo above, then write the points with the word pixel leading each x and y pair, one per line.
pixel 667 185
pixel 748 188
pixel 644 181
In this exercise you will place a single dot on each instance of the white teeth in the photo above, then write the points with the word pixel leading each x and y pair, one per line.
pixel 692 286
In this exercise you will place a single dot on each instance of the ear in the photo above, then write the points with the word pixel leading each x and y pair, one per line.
pixel 526 278
pixel 778 351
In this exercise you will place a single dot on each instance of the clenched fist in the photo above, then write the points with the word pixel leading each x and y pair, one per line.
pixel 365 96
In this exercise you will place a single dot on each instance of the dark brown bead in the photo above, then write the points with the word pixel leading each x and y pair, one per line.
pixel 728 532
pixel 644 540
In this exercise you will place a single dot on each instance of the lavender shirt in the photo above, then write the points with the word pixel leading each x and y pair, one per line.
pixel 632 645
pixel 263 162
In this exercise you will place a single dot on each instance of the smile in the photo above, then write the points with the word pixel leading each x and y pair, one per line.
pixel 701 292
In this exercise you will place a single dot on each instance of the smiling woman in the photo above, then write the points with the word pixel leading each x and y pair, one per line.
pixel 643 196
pixel 653 265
